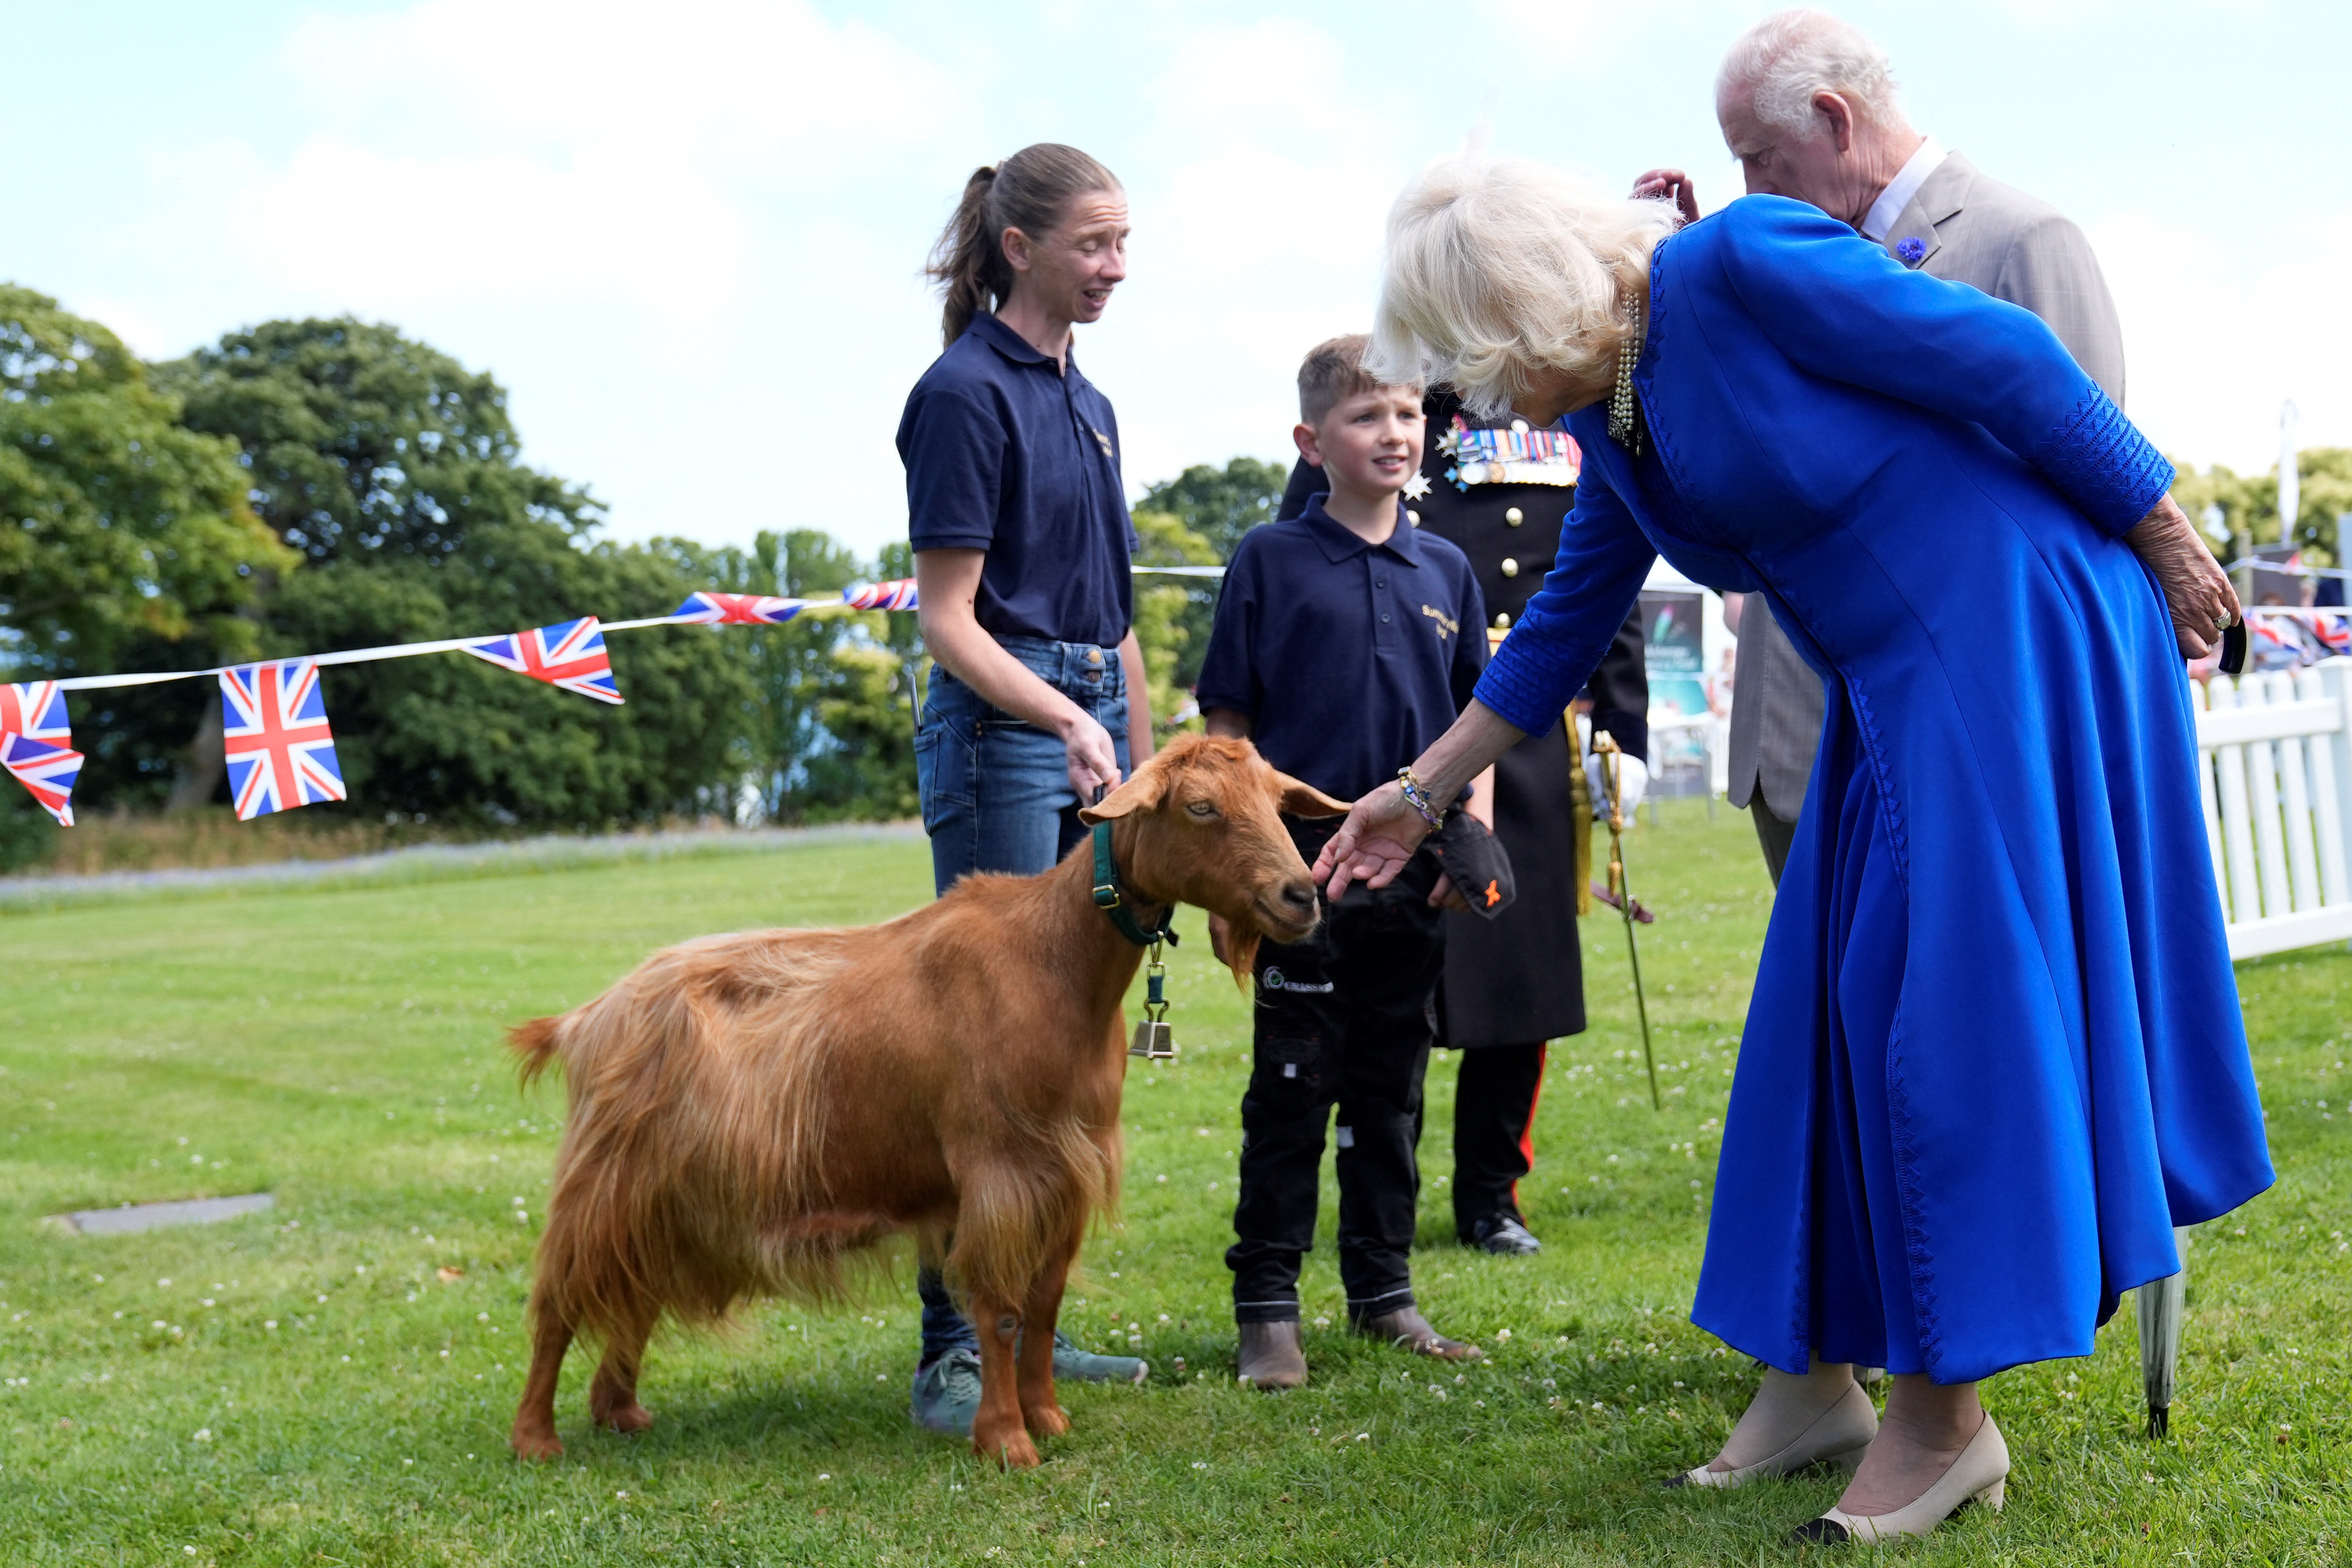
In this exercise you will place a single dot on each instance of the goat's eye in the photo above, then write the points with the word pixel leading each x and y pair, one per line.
pixel 1201 809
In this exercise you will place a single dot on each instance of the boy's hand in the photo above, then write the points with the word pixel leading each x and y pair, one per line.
pixel 1220 929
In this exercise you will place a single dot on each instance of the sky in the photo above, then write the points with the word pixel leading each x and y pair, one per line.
pixel 688 238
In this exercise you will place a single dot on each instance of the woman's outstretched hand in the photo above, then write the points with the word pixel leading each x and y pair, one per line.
pixel 2196 590
pixel 1381 834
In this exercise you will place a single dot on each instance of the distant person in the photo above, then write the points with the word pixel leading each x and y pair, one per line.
pixel 1018 517
pixel 1808 106
pixel 1498 494
pixel 1344 640
pixel 1994 1054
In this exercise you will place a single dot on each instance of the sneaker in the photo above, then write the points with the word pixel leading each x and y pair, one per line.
pixel 1084 1366
pixel 1503 1235
pixel 947 1393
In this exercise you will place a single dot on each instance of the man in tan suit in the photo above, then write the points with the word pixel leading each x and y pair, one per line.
pixel 1807 105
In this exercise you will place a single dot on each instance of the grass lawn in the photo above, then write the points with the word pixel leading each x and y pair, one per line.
pixel 333 1383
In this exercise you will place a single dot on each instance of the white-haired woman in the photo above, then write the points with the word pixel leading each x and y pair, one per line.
pixel 1994 1053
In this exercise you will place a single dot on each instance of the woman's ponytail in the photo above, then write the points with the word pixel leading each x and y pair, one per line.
pixel 967 262
pixel 1030 190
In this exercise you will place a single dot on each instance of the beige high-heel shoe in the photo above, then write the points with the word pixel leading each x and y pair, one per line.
pixel 1980 1474
pixel 1837 1436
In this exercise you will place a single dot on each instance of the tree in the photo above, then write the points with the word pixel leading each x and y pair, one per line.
pixel 835 695
pixel 362 444
pixel 1172 614
pixel 396 472
pixel 2249 504
pixel 1215 506
pixel 1220 504
pixel 117 526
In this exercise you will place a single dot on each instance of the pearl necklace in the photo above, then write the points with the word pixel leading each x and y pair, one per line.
pixel 1624 414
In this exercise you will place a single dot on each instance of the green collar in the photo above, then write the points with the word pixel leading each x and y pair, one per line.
pixel 1110 896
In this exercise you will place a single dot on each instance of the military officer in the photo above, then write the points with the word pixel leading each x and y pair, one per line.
pixel 1500 492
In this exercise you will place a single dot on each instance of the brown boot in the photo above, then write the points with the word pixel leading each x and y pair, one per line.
pixel 1271 1359
pixel 1407 1330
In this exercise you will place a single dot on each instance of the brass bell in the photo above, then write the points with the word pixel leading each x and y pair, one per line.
pixel 1153 1038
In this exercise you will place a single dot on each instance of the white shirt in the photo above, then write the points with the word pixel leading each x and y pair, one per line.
pixel 1900 190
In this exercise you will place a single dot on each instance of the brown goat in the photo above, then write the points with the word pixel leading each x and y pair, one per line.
pixel 749 1110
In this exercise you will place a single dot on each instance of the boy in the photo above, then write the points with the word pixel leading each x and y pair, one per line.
pixel 1345 642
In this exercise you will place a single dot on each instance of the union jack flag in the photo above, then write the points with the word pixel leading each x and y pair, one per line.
pixel 274 730
pixel 36 745
pixel 896 594
pixel 736 610
pixel 569 654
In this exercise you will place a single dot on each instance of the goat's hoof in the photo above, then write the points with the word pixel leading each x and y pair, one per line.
pixel 536 1445
pixel 626 1419
pixel 1016 1452
pixel 1046 1420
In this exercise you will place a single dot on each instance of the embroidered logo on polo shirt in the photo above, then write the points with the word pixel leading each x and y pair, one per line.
pixel 1104 442
pixel 1446 625
pixel 1274 979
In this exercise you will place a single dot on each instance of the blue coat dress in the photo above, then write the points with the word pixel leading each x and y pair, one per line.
pixel 1994 1053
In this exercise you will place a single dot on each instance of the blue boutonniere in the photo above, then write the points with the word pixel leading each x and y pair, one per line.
pixel 1911 251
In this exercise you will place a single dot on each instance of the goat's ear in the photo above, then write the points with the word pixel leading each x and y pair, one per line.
pixel 1302 799
pixel 1144 792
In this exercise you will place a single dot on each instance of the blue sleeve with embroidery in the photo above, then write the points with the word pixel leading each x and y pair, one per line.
pixel 1840 307
pixel 1572 621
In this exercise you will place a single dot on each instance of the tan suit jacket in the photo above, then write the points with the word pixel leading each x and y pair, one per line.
pixel 1982 233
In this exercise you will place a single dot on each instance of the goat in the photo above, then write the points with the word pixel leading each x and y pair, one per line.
pixel 749 1112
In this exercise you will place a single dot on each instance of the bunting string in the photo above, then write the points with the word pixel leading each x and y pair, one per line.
pixel 280 745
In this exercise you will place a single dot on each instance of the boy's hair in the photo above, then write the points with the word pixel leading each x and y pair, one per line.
pixel 1333 371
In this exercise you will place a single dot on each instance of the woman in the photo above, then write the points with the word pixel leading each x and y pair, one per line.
pixel 1515 981
pixel 1994 1052
pixel 1018 517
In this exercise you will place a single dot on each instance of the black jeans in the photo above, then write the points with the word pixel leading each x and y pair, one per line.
pixel 1493 1131
pixel 1345 1019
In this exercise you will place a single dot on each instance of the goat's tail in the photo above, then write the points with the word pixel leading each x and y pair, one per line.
pixel 534 1044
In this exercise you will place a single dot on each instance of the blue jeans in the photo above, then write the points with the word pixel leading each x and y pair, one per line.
pixel 997 798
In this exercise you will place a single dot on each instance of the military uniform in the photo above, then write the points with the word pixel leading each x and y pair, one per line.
pixel 1500 496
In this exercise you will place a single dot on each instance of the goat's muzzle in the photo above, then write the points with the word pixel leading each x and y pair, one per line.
pixel 1293 911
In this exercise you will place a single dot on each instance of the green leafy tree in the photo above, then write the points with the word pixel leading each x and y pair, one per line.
pixel 1216 507
pixel 1172 614
pixel 397 473
pixel 2248 505
pixel 1220 504
pixel 363 445
pixel 835 695
pixel 122 532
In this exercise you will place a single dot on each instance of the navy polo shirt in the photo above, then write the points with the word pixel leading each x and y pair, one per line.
pixel 1007 453
pixel 1347 659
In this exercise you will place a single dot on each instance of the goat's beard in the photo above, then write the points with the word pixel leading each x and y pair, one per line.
pixel 1240 951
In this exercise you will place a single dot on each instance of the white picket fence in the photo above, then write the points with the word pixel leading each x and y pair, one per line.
pixel 2274 765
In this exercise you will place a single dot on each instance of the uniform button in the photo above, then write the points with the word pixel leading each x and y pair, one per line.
pixel 1514 517
pixel 1519 426
pixel 1510 567
pixel 1502 622
pixel 1412 517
